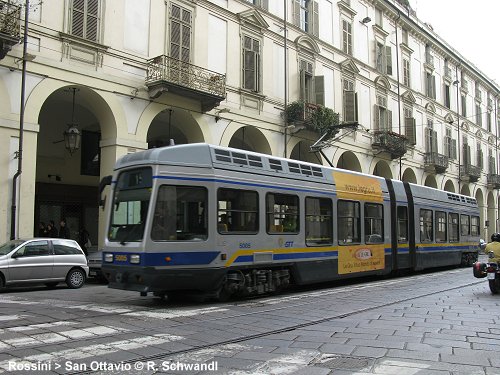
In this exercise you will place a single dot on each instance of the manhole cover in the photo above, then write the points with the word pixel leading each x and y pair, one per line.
pixel 344 362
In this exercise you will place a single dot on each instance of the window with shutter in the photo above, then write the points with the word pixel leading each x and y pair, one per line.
pixel 479 155
pixel 346 37
pixel 350 106
pixel 411 130
pixel 251 64
pixel 428 139
pixel 453 149
pixel 180 33
pixel 350 113
pixel 85 21
pixel 383 118
pixel 306 81
pixel 447 98
pixel 319 88
pixel 406 72
pixel 479 120
pixel 380 57
pixel 388 60
pixel 491 163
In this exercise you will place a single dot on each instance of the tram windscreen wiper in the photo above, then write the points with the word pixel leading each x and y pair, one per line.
pixel 135 234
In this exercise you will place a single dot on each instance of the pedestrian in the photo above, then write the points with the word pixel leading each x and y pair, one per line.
pixel 51 230
pixel 42 230
pixel 63 229
pixel 84 240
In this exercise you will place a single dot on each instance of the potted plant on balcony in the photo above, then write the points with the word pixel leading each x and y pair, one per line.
pixel 314 117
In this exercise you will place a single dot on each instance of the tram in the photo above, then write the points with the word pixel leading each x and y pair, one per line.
pixel 199 218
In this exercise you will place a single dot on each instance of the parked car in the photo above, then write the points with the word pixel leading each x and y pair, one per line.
pixel 94 261
pixel 42 261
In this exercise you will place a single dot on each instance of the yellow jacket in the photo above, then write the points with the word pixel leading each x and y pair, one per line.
pixel 493 247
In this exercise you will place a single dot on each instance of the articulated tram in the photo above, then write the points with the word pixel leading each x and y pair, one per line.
pixel 207 219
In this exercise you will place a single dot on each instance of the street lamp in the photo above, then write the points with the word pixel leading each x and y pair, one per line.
pixel 72 136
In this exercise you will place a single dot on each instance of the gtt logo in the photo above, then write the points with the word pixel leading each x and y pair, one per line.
pixel 289 244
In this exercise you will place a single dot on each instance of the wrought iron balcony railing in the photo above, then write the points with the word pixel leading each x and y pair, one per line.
pixel 393 143
pixel 10 30
pixel 179 77
pixel 435 162
pixel 470 172
pixel 493 181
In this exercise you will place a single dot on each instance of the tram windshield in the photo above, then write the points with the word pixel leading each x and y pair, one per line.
pixel 130 205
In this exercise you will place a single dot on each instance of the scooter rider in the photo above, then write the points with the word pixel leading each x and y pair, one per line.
pixel 493 248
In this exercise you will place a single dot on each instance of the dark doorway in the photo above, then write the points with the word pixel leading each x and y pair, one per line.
pixel 77 204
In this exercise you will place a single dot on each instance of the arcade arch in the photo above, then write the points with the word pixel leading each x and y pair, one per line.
pixel 382 169
pixel 409 176
pixel 173 124
pixel 301 151
pixel 348 160
pixel 250 138
pixel 66 184
pixel 430 181
pixel 449 186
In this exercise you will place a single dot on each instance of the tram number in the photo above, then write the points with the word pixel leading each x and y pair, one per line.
pixel 245 245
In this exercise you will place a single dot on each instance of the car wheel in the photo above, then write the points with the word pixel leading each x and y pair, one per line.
pixel 75 278
pixel 2 283
pixel 51 285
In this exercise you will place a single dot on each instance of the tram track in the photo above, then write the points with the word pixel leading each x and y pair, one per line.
pixel 167 355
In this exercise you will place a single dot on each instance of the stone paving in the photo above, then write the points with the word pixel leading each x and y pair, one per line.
pixel 438 323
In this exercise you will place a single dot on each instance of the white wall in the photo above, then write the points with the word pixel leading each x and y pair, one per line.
pixel 136 26
pixel 217 44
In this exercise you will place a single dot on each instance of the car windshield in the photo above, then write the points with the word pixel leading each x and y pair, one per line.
pixel 9 246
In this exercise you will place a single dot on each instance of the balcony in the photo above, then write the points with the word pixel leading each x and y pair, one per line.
pixel 393 143
pixel 470 173
pixel 181 78
pixel 436 163
pixel 493 181
pixel 10 30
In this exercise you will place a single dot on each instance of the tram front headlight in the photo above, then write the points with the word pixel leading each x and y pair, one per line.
pixel 108 258
pixel 135 258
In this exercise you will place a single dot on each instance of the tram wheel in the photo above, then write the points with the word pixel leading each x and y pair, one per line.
pixel 494 286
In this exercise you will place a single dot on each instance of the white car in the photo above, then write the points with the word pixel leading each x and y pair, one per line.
pixel 43 261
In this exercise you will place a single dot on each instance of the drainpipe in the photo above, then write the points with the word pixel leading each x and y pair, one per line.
pixel 496 156
pixel 459 148
pixel 13 221
pixel 399 96
pixel 285 78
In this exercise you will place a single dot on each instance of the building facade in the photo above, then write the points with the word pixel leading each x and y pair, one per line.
pixel 133 74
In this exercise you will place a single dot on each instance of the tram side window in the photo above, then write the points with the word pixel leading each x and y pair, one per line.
pixel 426 226
pixel 180 214
pixel 349 222
pixel 282 212
pixel 237 211
pixel 402 224
pixel 374 223
pixel 319 217
pixel 464 225
pixel 474 223
pixel 441 226
pixel 453 223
